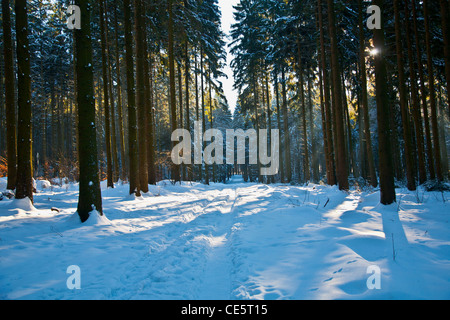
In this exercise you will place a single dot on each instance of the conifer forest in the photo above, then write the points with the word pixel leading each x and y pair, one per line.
pixel 330 111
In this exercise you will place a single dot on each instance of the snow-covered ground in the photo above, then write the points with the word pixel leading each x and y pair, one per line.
pixel 227 241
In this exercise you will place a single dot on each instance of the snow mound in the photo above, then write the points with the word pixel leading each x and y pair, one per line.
pixel 43 184
pixel 133 197
pixel 23 204
pixel 95 219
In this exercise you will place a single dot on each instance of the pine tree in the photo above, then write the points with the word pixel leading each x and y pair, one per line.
pixel 141 56
pixel 364 99
pixel 387 187
pixel 11 139
pixel 331 172
pixel 341 159
pixel 446 36
pixel 432 93
pixel 417 116
pixel 187 93
pixel 287 138
pixel 427 138
pixel 24 186
pixel 173 105
pixel 123 172
pixel 90 194
pixel 106 96
pixel 149 124
pixel 411 178
pixel 133 151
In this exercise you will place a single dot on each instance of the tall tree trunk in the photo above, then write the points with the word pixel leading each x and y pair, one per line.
pixel 114 150
pixel 341 159
pixel 444 152
pixel 141 53
pixel 415 100
pixel 173 100
pixel 187 105
pixel 180 95
pixel 314 155
pixel 445 33
pixel 123 171
pixel 10 109
pixel 109 164
pixel 348 131
pixel 133 160
pixel 197 112
pixel 433 107
pixel 323 115
pixel 202 89
pixel 44 140
pixel 429 149
pixel 301 87
pixel 24 186
pixel 364 100
pixel 59 125
pixel 99 123
pixel 410 176
pixel 211 118
pixel 257 125
pixel 331 171
pixel 150 122
pixel 270 179
pixel 387 186
pixel 114 153
pixel 180 111
pixel 363 165
pixel 277 99
pixel 287 139
pixel 90 194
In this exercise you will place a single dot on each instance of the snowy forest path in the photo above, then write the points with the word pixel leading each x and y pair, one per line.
pixel 191 245
pixel 225 241
pixel 218 271
pixel 202 242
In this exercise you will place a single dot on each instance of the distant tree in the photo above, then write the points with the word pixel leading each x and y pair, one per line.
pixel 364 98
pixel 107 99
pixel 417 115
pixel 432 93
pixel 404 107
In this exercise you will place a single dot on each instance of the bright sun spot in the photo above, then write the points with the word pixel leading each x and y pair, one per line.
pixel 374 52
